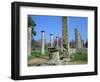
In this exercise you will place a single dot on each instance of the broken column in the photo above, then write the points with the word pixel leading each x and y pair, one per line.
pixel 42 42
pixel 78 42
pixel 54 58
pixel 65 36
pixel 51 40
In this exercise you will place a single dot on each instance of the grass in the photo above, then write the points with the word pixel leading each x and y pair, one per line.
pixel 74 57
pixel 79 56
pixel 37 54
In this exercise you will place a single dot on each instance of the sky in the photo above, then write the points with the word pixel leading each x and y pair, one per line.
pixel 53 25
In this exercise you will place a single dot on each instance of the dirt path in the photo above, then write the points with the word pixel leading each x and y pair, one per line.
pixel 39 61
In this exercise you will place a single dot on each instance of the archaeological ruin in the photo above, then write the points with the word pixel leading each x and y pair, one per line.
pixel 56 49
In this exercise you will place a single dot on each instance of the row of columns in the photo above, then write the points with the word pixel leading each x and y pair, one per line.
pixel 51 42
pixel 64 41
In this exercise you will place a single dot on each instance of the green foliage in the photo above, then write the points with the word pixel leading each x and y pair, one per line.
pixel 31 23
pixel 79 56
pixel 34 54
pixel 34 44
pixel 33 32
pixel 37 54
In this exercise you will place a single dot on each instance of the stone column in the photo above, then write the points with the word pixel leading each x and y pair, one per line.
pixel 29 34
pixel 78 42
pixel 76 38
pixel 51 40
pixel 57 42
pixel 82 43
pixel 61 45
pixel 42 42
pixel 65 35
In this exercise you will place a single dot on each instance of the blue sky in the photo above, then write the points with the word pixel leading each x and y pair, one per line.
pixel 53 24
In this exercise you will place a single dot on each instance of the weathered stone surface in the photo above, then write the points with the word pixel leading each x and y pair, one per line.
pixel 54 58
pixel 82 50
pixel 78 42
pixel 65 35
pixel 61 45
pixel 42 42
pixel 66 60
pixel 29 31
pixel 72 50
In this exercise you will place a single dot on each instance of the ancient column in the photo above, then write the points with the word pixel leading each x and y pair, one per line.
pixel 78 42
pixel 76 38
pixel 65 35
pixel 57 42
pixel 82 43
pixel 79 39
pixel 42 42
pixel 51 40
pixel 61 45
pixel 29 31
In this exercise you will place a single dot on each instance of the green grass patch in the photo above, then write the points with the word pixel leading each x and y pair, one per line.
pixel 37 54
pixel 79 56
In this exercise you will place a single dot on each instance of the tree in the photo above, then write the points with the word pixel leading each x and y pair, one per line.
pixel 31 32
pixel 31 24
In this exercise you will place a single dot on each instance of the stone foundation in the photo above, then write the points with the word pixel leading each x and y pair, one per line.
pixel 54 58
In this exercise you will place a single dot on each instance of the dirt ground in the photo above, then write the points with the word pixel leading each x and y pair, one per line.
pixel 39 61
